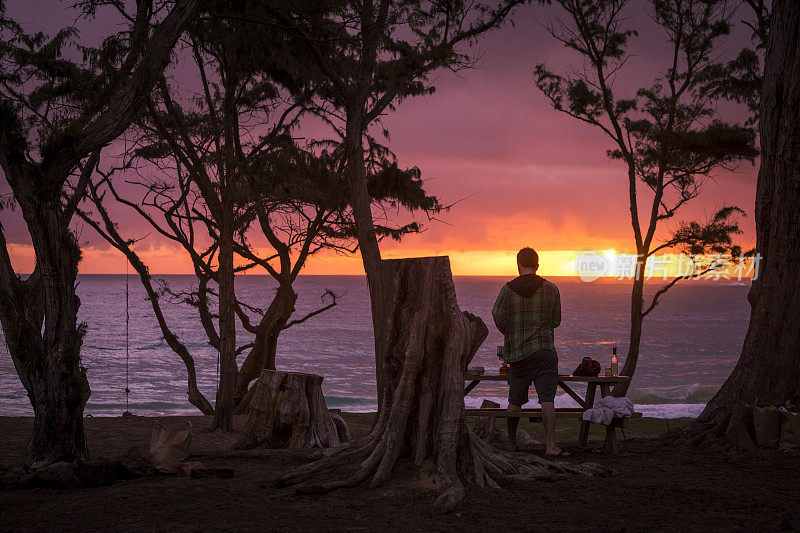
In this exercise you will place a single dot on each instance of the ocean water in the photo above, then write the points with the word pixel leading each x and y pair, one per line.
pixel 691 342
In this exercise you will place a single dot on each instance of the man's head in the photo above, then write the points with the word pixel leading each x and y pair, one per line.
pixel 527 261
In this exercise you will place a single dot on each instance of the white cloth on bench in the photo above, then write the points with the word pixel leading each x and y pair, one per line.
pixel 608 408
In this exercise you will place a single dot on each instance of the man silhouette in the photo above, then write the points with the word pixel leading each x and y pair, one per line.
pixel 526 312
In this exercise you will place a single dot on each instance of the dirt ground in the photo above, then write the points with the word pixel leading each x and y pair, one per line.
pixel 660 485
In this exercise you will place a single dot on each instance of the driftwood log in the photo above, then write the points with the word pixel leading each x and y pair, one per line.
pixel 430 342
pixel 288 410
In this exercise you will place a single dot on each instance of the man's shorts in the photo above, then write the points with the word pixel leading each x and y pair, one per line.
pixel 540 367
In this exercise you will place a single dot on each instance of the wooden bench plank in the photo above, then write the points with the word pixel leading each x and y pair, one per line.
pixel 571 414
pixel 562 377
pixel 564 412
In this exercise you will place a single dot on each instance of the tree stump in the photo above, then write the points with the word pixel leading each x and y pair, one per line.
pixel 428 345
pixel 485 430
pixel 288 411
pixel 484 425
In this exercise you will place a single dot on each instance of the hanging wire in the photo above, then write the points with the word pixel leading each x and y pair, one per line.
pixel 127 343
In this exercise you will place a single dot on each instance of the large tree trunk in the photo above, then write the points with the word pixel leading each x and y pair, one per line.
pixel 39 315
pixel 228 371
pixel 768 371
pixel 40 328
pixel 430 343
pixel 356 172
pixel 262 355
pixel 288 410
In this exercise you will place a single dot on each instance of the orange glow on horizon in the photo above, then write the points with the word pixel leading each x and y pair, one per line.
pixel 168 260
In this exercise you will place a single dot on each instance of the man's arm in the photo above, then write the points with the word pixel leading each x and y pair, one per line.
pixel 556 316
pixel 500 311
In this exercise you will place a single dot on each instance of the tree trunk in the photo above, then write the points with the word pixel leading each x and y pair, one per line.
pixel 40 328
pixel 768 371
pixel 288 411
pixel 262 355
pixel 635 341
pixel 58 430
pixel 39 315
pixel 430 343
pixel 193 393
pixel 362 215
pixel 223 409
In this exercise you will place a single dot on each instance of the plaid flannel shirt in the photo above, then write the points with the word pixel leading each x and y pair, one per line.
pixel 527 323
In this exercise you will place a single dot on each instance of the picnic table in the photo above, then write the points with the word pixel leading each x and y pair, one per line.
pixel 475 375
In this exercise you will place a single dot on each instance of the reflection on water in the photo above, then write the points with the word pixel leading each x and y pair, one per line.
pixel 691 341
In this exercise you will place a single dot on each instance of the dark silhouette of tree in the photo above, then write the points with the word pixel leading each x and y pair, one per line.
pixel 217 166
pixel 768 371
pixel 373 55
pixel 668 135
pixel 56 114
pixel 740 79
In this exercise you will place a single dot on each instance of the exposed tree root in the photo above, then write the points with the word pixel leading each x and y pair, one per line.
pixel 729 429
pixel 429 345
pixel 371 459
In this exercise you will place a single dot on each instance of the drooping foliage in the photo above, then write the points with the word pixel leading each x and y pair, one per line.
pixel 60 103
pixel 222 174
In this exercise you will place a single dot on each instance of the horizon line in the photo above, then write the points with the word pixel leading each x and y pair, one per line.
pixel 572 276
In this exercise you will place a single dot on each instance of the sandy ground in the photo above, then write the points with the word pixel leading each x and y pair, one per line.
pixel 660 486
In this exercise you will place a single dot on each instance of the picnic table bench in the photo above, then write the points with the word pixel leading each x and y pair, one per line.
pixel 475 375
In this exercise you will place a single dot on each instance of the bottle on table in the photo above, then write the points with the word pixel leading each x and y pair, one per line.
pixel 504 369
pixel 614 363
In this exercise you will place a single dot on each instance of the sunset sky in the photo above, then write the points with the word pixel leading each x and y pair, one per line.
pixel 527 175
